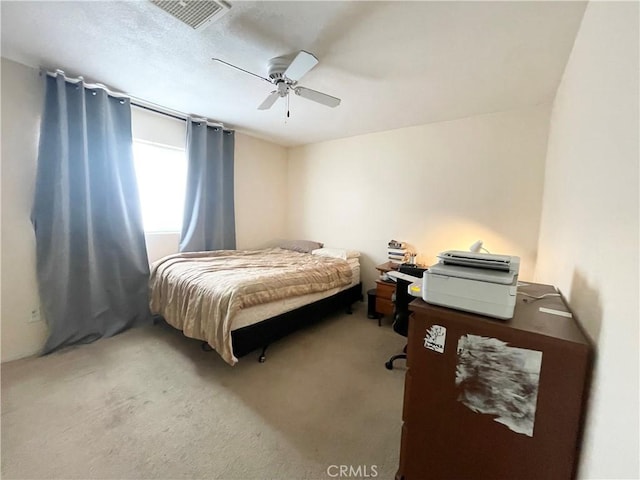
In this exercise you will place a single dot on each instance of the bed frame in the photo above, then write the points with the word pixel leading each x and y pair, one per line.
pixel 262 334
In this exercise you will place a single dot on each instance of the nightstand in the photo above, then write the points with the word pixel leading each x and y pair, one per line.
pixel 385 291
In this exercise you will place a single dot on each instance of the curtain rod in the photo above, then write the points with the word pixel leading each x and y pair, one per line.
pixel 135 101
pixel 152 107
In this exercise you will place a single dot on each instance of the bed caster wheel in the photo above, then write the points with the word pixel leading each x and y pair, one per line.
pixel 389 365
pixel 263 355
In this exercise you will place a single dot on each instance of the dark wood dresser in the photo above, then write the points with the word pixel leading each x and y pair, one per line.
pixel 494 399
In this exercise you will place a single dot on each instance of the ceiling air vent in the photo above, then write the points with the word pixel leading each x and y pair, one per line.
pixel 195 13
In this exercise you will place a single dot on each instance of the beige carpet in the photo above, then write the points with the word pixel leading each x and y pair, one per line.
pixel 150 404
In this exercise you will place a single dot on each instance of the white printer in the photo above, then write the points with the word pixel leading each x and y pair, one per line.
pixel 474 282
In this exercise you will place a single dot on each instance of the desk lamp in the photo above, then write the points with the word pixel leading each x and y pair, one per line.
pixel 477 246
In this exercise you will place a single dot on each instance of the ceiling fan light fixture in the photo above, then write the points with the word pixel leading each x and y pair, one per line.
pixel 283 88
pixel 195 13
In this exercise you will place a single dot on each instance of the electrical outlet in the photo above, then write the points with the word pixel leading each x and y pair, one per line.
pixel 35 315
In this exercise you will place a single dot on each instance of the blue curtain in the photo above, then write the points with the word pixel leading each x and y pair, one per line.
pixel 91 257
pixel 209 218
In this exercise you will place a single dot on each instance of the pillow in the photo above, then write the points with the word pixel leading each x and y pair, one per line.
pixel 302 246
pixel 342 253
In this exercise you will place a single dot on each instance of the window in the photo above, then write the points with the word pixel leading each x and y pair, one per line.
pixel 162 176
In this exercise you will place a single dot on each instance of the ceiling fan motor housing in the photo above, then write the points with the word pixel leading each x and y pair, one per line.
pixel 277 67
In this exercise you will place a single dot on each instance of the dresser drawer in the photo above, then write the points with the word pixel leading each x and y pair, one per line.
pixel 385 290
pixel 385 307
pixel 384 297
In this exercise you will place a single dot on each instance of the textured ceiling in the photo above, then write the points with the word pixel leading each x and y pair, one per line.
pixel 393 64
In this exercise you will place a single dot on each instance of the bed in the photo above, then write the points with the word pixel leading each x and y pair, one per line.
pixel 241 300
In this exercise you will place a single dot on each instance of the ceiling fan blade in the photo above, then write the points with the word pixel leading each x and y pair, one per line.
pixel 241 69
pixel 300 65
pixel 319 97
pixel 269 101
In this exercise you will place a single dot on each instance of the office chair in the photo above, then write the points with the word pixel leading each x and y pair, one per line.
pixel 401 313
pixel 400 318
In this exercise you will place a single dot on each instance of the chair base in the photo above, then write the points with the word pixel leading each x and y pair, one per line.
pixel 389 363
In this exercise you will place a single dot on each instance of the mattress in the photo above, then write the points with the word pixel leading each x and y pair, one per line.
pixel 259 313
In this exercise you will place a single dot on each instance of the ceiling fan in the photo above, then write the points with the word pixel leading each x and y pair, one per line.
pixel 284 72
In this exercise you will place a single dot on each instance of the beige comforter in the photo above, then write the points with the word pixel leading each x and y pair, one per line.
pixel 200 292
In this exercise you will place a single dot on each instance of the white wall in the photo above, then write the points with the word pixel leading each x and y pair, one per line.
pixel 260 199
pixel 154 127
pixel 438 187
pixel 260 191
pixel 22 101
pixel 589 244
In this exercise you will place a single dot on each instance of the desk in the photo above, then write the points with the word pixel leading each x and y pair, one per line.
pixel 386 267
